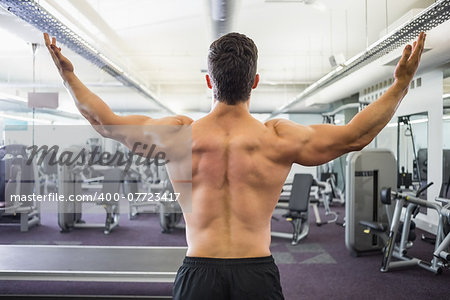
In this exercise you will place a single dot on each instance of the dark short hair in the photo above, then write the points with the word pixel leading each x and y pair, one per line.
pixel 232 67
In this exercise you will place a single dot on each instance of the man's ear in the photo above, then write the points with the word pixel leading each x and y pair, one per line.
pixel 255 84
pixel 208 81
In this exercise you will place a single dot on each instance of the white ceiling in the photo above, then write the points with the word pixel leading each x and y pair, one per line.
pixel 164 43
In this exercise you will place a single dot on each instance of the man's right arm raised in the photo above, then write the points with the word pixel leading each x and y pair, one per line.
pixel 318 144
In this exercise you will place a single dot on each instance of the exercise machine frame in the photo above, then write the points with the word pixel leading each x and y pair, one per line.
pixel 413 202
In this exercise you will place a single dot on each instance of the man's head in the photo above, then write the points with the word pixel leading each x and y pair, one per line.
pixel 232 68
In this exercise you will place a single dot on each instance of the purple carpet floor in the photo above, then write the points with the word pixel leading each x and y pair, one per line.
pixel 320 267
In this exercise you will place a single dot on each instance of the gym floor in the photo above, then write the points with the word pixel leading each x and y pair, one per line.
pixel 320 267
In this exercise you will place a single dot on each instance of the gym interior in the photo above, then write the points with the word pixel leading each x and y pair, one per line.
pixel 370 224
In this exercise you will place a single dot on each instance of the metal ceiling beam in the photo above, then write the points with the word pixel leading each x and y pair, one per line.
pixel 60 10
pixel 31 12
pixel 97 21
pixel 431 17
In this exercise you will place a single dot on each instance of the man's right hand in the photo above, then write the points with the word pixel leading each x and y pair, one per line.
pixel 409 62
pixel 64 65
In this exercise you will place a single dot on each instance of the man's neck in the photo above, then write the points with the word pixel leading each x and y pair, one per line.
pixel 222 109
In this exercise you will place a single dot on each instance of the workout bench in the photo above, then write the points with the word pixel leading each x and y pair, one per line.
pixel 298 204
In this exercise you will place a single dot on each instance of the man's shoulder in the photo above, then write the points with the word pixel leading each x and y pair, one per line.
pixel 278 124
pixel 184 120
pixel 171 120
pixel 288 129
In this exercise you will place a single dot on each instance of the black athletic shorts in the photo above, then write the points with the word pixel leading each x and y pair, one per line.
pixel 227 278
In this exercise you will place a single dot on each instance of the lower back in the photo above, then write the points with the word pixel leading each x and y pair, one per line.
pixel 211 232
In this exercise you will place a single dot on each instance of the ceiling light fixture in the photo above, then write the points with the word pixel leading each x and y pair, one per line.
pixel 436 14
pixel 33 13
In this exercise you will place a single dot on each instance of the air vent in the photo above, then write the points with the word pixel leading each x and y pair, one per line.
pixel 375 91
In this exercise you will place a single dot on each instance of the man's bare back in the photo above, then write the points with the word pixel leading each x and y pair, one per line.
pixel 238 170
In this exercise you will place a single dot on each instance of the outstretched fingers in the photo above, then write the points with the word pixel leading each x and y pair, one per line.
pixel 47 40
pixel 418 48
pixel 48 44
pixel 406 54
pixel 53 49
pixel 56 51
pixel 63 65
pixel 412 54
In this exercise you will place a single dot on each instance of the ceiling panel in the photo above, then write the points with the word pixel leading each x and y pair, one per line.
pixel 165 43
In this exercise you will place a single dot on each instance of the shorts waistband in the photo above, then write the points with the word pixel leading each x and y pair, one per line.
pixel 197 261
